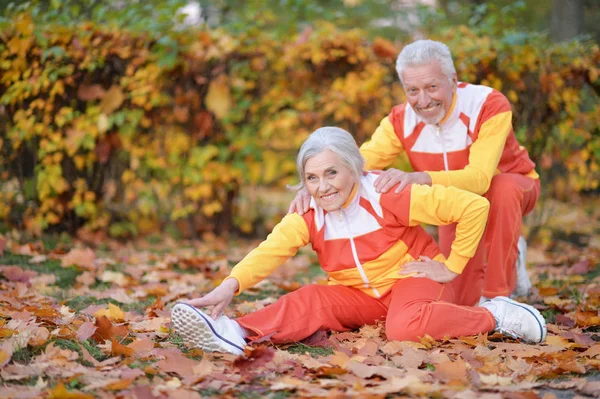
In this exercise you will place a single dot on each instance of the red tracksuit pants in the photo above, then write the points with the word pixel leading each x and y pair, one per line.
pixel 511 197
pixel 412 308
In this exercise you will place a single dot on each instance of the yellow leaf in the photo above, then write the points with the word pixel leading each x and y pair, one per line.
pixel 112 100
pixel 218 99
pixel 113 313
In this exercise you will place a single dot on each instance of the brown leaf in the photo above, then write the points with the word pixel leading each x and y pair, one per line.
pixel 140 346
pixel 581 267
pixel 565 320
pixel 83 258
pixel 587 318
pixel 256 357
pixel 203 121
pixel 176 363
pixel 90 92
pixel 39 336
pixel 112 100
pixel 451 371
pixel 181 113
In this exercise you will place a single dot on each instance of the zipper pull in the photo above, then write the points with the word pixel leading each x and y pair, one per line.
pixel 340 214
pixel 437 130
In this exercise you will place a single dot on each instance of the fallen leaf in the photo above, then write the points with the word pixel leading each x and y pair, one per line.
pixel 113 313
pixel 85 331
pixel 118 349
pixel 83 258
pixel 60 392
pixel 256 356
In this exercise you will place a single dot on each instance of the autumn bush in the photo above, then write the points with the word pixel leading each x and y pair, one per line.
pixel 131 133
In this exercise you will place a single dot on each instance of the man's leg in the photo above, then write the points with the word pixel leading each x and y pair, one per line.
pixel 420 306
pixel 314 307
pixel 468 286
pixel 511 197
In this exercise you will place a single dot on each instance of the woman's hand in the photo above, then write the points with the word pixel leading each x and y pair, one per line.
pixel 220 297
pixel 301 202
pixel 428 268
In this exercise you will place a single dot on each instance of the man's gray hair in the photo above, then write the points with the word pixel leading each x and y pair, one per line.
pixel 423 52
pixel 338 141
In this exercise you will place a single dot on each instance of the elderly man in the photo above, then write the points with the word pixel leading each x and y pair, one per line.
pixel 459 134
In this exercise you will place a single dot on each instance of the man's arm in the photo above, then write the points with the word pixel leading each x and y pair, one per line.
pixel 439 205
pixel 383 148
pixel 485 152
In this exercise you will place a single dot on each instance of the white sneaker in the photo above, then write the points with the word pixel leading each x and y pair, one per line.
pixel 523 283
pixel 483 299
pixel 201 331
pixel 517 320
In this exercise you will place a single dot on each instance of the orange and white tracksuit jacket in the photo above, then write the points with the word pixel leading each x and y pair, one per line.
pixel 364 244
pixel 475 141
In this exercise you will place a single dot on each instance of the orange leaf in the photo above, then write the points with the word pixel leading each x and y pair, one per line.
pixel 60 392
pixel 121 350
pixel 383 48
pixel 119 385
pixel 107 331
pixel 6 353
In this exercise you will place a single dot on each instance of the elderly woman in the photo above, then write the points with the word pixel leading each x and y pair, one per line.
pixel 381 264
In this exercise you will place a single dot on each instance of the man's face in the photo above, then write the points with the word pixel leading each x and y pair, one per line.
pixel 328 180
pixel 429 91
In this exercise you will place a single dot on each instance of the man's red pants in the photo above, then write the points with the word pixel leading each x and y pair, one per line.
pixel 511 197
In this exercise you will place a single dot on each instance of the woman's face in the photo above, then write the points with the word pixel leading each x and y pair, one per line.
pixel 328 180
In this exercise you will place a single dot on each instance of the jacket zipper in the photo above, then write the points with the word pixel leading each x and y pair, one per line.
pixel 437 132
pixel 361 271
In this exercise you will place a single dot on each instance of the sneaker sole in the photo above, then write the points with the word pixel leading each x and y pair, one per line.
pixel 535 313
pixel 197 329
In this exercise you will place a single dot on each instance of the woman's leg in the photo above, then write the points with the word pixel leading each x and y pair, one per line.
pixel 420 306
pixel 301 313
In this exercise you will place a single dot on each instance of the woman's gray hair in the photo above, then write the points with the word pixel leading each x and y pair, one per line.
pixel 338 141
pixel 423 52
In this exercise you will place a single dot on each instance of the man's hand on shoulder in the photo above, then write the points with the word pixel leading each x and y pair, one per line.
pixel 300 203
pixel 388 179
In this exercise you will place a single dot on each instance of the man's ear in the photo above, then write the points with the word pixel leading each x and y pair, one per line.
pixel 455 81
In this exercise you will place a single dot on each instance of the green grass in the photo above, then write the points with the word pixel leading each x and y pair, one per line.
pixel 314 351
pixel 81 302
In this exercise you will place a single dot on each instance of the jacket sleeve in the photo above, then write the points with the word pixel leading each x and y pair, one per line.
pixel 383 148
pixel 284 241
pixel 439 205
pixel 485 151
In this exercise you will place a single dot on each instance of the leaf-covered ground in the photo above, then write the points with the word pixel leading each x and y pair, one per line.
pixel 79 321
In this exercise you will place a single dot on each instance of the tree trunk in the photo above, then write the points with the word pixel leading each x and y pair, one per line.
pixel 567 19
